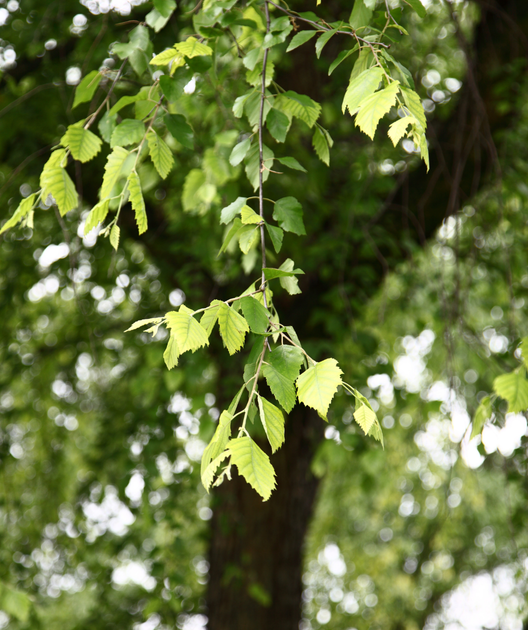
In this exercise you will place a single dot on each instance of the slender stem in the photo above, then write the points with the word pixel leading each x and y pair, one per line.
pixel 261 159
pixel 239 297
pixel 252 393
pixel 92 117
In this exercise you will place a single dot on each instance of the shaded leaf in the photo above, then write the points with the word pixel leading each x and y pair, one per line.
pixel 86 89
pixel 278 124
pixel 256 315
pixel 180 129
pixel 482 414
pixel 55 181
pixel 289 214
pixel 229 212
pixel 130 131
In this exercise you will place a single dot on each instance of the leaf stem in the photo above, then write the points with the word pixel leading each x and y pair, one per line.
pixel 93 116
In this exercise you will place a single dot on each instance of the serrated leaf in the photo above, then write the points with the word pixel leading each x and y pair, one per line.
pixel 276 235
pixel 300 39
pixel 232 232
pixel 253 165
pixel 189 333
pixel 191 47
pixel 363 62
pixel 399 128
pixel 321 143
pixel 365 417
pixel 180 129
pixel 83 144
pixel 171 55
pixel 97 215
pixel 256 315
pixel 239 152
pixel 86 89
pixel 115 234
pixel 229 212
pixel 417 6
pixel 172 353
pixel 233 328
pixel 249 216
pixel 281 369
pixel 317 385
pixel 300 106
pixel 273 423
pixel 210 316
pixel 344 54
pixel 414 105
pixel 374 107
pixel 113 167
pixel 513 387
pixel 278 125
pixel 160 154
pixel 322 41
pixel 482 414
pixel 254 465
pixel 144 322
pixel 24 208
pixel 55 181
pixel 130 131
pixel 248 237
pixel 360 88
pixel 292 163
pixel 209 472
pixel 289 214
pixel 137 201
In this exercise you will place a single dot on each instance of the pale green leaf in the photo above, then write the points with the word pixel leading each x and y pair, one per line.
pixel 115 234
pixel 209 473
pixel 256 315
pixel 233 328
pixel 248 237
pixel 97 215
pixel 286 270
pixel 363 62
pixel 86 89
pixel 317 385
pixel 217 444
pixel 414 105
pixel 160 154
pixel 191 47
pixel 168 56
pixel 189 333
pixel 300 39
pixel 374 107
pixel 144 322
pixel 365 417
pixel 254 465
pixel 399 128
pixel 361 15
pixel 24 208
pixel 229 212
pixel 231 233
pixel 55 181
pixel 360 88
pixel 113 167
pixel 239 152
pixel 482 414
pixel 249 216
pixel 210 316
pixel 155 20
pixel 281 369
pixel 15 603
pixel 130 131
pixel 524 351
pixel 300 106
pixel 321 145
pixel 172 353
pixel 289 282
pixel 273 422
pixel 513 387
pixel 83 144
pixel 137 201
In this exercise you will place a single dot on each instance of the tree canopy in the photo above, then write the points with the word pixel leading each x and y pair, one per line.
pixel 263 280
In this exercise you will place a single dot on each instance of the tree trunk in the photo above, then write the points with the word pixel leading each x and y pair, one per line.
pixel 256 548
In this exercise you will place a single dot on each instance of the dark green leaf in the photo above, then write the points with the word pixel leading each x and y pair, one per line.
pixel 289 214
pixel 278 125
pixel 180 129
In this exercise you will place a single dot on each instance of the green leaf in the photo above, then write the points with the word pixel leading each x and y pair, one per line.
pixel 155 20
pixel 292 163
pixel 374 107
pixel 124 101
pixel 249 216
pixel 417 6
pixel 191 47
pixel 130 131
pixel 414 105
pixel 281 369
pixel 180 129
pixel 365 417
pixel 300 106
pixel 115 234
pixel 247 238
pixel 278 124
pixel 361 87
pixel 361 15
pixel 524 351
pixel 276 235
pixel 24 208
pixel 300 39
pixel 317 386
pixel 363 62
pixel 55 181
pixel 233 230
pixel 256 315
pixel 189 333
pixel 253 165
pixel 322 41
pixel 172 88
pixel 288 213
pixel 253 464
pixel 233 328
pixel 344 54
pixel 165 7
pixel 113 167
pixel 138 204
pixel 15 603
pixel 239 104
pixel 239 152
pixel 83 144
pixel 208 473
pixel 229 212
pixel 106 125
pixel 252 58
pixel 513 387
pixel 210 316
pixel 144 322
pixel 482 414
pixel 97 215
pixel 172 353
pixel 171 55
pixel 86 89
pixel 160 154
pixel 399 128
pixel 271 274
pixel 138 41
pixel 322 142
pixel 273 423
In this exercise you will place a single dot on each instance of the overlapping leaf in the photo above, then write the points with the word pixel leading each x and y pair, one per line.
pixel 216 446
pixel 281 369
pixel 189 333
pixel 374 107
pixel 55 181
pixel 317 386
pixel 137 201
pixel 254 465
pixel 83 144
pixel 513 387
pixel 273 423
pixel 24 208
pixel 97 215
pixel 233 328
pixel 113 167
pixel 160 154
